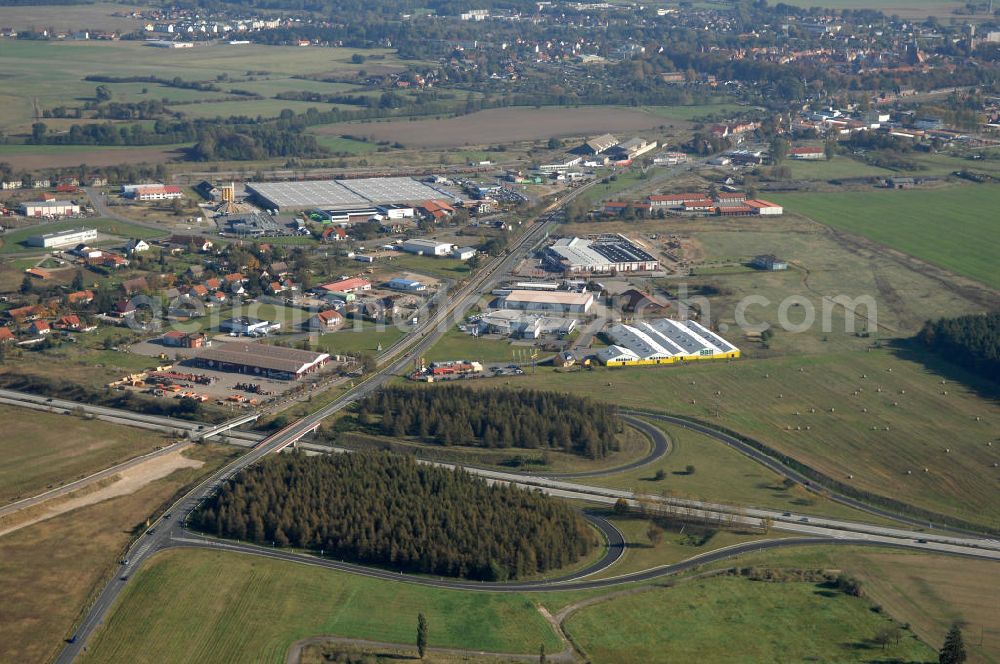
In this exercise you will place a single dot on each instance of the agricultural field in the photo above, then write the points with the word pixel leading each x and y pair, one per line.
pixel 33 157
pixel 501 125
pixel 52 72
pixel 216 607
pixel 44 449
pixel 80 551
pixel 951 227
pixel 709 620
pixel 838 167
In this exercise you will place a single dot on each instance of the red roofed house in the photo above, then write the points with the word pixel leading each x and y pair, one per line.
pixel 807 153
pixel 352 285
pixel 6 335
pixel 333 234
pixel 70 322
pixel 326 321
pixel 25 314
pixel 81 297
pixel 199 291
pixel 213 283
pixel 437 209
pixel 39 328
pixel 38 273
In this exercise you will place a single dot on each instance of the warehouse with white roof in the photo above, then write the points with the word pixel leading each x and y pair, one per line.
pixel 663 341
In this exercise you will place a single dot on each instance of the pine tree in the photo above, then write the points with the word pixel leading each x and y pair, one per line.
pixel 953 650
pixel 421 635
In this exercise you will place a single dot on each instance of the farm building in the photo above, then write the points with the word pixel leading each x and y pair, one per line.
pixel 768 262
pixel 72 236
pixel 765 208
pixel 663 341
pixel 807 153
pixel 423 247
pixel 632 148
pixel 49 208
pixel 674 200
pixel 261 360
pixel 341 194
pixel 601 254
pixel 562 301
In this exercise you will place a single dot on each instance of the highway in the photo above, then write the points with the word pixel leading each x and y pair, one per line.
pixel 169 530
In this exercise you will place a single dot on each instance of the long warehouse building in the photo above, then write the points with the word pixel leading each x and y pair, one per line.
pixel 261 360
pixel 604 254
pixel 663 341
pixel 359 193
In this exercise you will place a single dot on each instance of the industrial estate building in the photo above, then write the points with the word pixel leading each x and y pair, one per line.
pixel 524 325
pixel 603 254
pixel 341 194
pixel 261 360
pixel 72 236
pixel 663 341
pixel 152 192
pixel 423 247
pixel 49 208
pixel 562 301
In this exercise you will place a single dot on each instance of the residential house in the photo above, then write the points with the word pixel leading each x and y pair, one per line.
pixel 39 328
pixel 136 246
pixel 70 323
pixel 6 335
pixel 326 321
pixel 80 297
pixel 133 286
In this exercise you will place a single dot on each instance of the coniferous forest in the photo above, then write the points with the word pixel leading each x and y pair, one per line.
pixel 452 415
pixel 971 341
pixel 388 510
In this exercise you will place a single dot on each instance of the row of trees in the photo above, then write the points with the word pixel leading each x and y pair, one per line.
pixel 389 510
pixel 971 341
pixel 452 415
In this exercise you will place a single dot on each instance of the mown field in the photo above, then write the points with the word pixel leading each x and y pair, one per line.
pixel 953 227
pixel 44 449
pixel 718 619
pixel 209 607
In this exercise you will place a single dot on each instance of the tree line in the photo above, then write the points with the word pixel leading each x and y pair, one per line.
pixel 452 415
pixel 970 341
pixel 389 510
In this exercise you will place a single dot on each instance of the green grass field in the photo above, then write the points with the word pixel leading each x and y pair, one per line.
pixel 838 167
pixel 953 228
pixel 43 449
pixel 363 339
pixel 723 475
pixel 693 112
pixel 761 397
pixel 202 606
pixel 341 144
pixel 441 268
pixel 457 345
pixel 732 619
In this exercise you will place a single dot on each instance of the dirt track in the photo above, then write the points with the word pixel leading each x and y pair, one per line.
pixel 503 125
pixel 127 482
